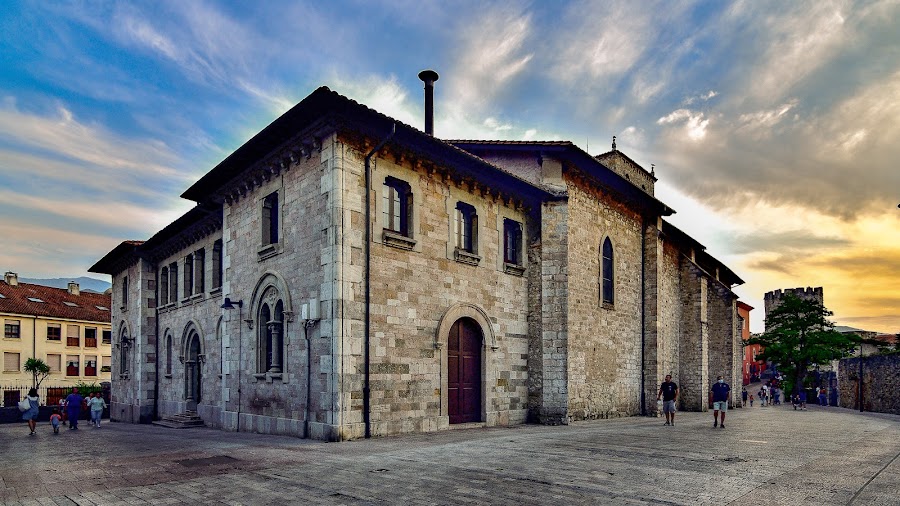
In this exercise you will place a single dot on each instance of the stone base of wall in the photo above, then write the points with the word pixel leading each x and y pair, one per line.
pixel 129 413
pixel 880 380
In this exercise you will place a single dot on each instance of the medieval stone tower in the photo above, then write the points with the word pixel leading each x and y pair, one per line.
pixel 773 298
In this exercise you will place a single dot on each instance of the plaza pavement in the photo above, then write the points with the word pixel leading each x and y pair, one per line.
pixel 771 455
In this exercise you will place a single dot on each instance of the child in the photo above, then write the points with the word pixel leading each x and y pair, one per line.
pixel 751 400
pixel 55 419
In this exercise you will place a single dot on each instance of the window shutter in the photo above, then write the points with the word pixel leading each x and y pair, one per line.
pixel 10 361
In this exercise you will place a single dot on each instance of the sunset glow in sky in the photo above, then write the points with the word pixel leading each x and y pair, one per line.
pixel 774 126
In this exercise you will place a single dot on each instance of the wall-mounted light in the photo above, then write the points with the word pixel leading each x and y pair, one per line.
pixel 228 304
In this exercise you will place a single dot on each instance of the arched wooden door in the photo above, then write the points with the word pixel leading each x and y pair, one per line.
pixel 192 374
pixel 464 371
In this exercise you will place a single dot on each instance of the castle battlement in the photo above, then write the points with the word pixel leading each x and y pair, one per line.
pixel 773 299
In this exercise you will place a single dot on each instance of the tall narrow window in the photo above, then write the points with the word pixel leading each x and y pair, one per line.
pixel 396 200
pixel 512 242
pixel 199 271
pixel 90 337
pixel 169 355
pixel 90 365
pixel 271 333
pixel 465 227
pixel 124 292
pixel 217 264
pixel 173 282
pixel 164 286
pixel 123 352
pixel 73 335
pixel 107 337
pixel 608 292
pixel 270 219
pixel 73 363
pixel 188 276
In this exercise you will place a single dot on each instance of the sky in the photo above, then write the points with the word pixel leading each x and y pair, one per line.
pixel 773 127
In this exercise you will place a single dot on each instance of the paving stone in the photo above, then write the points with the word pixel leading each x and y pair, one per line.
pixel 821 456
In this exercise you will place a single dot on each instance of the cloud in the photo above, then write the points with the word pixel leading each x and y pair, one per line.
pixel 694 123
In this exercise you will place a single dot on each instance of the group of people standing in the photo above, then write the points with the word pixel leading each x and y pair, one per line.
pixel 69 409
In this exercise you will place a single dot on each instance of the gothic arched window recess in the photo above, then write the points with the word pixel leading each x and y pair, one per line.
pixel 169 355
pixel 607 291
pixel 271 333
pixel 124 344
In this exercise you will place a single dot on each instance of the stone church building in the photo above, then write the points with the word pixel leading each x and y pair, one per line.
pixel 345 275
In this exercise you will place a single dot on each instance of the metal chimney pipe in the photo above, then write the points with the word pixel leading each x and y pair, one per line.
pixel 429 77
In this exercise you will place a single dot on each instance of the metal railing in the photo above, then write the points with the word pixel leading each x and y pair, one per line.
pixel 48 395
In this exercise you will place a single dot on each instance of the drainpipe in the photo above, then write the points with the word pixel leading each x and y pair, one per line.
pixel 643 313
pixel 306 325
pixel 368 247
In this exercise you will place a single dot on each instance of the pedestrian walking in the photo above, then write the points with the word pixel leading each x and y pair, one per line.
pixel 73 408
pixel 720 392
pixel 31 414
pixel 743 396
pixel 62 410
pixel 823 398
pixel 55 420
pixel 668 391
pixel 751 400
pixel 802 400
pixel 97 405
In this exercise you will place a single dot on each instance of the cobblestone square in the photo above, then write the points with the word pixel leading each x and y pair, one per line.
pixel 771 455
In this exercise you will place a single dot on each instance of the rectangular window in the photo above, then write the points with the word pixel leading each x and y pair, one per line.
pixel 124 292
pixel 396 204
pixel 105 364
pixel 54 332
pixel 55 362
pixel 512 242
pixel 107 337
pixel 465 226
pixel 199 271
pixel 11 329
pixel 188 275
pixel 90 337
pixel 217 264
pixel 10 362
pixel 164 286
pixel 73 335
pixel 72 365
pixel 90 365
pixel 173 282
pixel 270 219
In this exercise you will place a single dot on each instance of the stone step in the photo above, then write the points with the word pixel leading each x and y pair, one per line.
pixel 184 420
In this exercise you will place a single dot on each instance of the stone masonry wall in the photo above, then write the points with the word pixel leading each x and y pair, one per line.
pixel 694 341
pixel 133 385
pixel 267 403
pixel 418 293
pixel 604 341
pixel 881 382
pixel 722 320
pixel 202 313
pixel 554 313
pixel 670 320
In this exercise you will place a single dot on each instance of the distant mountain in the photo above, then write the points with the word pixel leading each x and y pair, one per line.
pixel 84 283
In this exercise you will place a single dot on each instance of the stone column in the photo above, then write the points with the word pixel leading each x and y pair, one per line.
pixel 275 328
pixel 554 313
pixel 694 342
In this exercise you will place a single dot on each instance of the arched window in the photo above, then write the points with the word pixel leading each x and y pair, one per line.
pixel 271 333
pixel 607 291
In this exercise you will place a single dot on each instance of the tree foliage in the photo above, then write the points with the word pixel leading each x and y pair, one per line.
pixel 798 335
pixel 38 369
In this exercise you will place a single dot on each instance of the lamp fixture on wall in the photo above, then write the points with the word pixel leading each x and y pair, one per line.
pixel 228 304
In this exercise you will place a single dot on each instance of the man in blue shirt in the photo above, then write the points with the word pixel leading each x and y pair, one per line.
pixel 720 391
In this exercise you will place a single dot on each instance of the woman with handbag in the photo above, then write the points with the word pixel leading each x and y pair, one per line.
pixel 31 414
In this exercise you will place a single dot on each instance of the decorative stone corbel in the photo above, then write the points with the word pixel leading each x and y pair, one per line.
pixel 288 316
pixel 249 323
pixel 181 358
pixel 202 358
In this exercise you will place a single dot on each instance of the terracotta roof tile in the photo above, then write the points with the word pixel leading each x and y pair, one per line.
pixel 16 300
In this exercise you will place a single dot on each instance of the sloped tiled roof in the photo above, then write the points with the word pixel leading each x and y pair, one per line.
pixel 15 300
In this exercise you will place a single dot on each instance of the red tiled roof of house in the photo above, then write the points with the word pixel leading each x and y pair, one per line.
pixel 23 298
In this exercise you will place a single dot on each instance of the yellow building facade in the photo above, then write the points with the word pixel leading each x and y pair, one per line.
pixel 66 328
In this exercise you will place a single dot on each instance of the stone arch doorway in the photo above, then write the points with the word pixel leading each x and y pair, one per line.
pixel 192 372
pixel 464 378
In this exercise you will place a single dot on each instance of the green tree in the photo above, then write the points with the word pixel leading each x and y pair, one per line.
pixel 798 335
pixel 38 369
